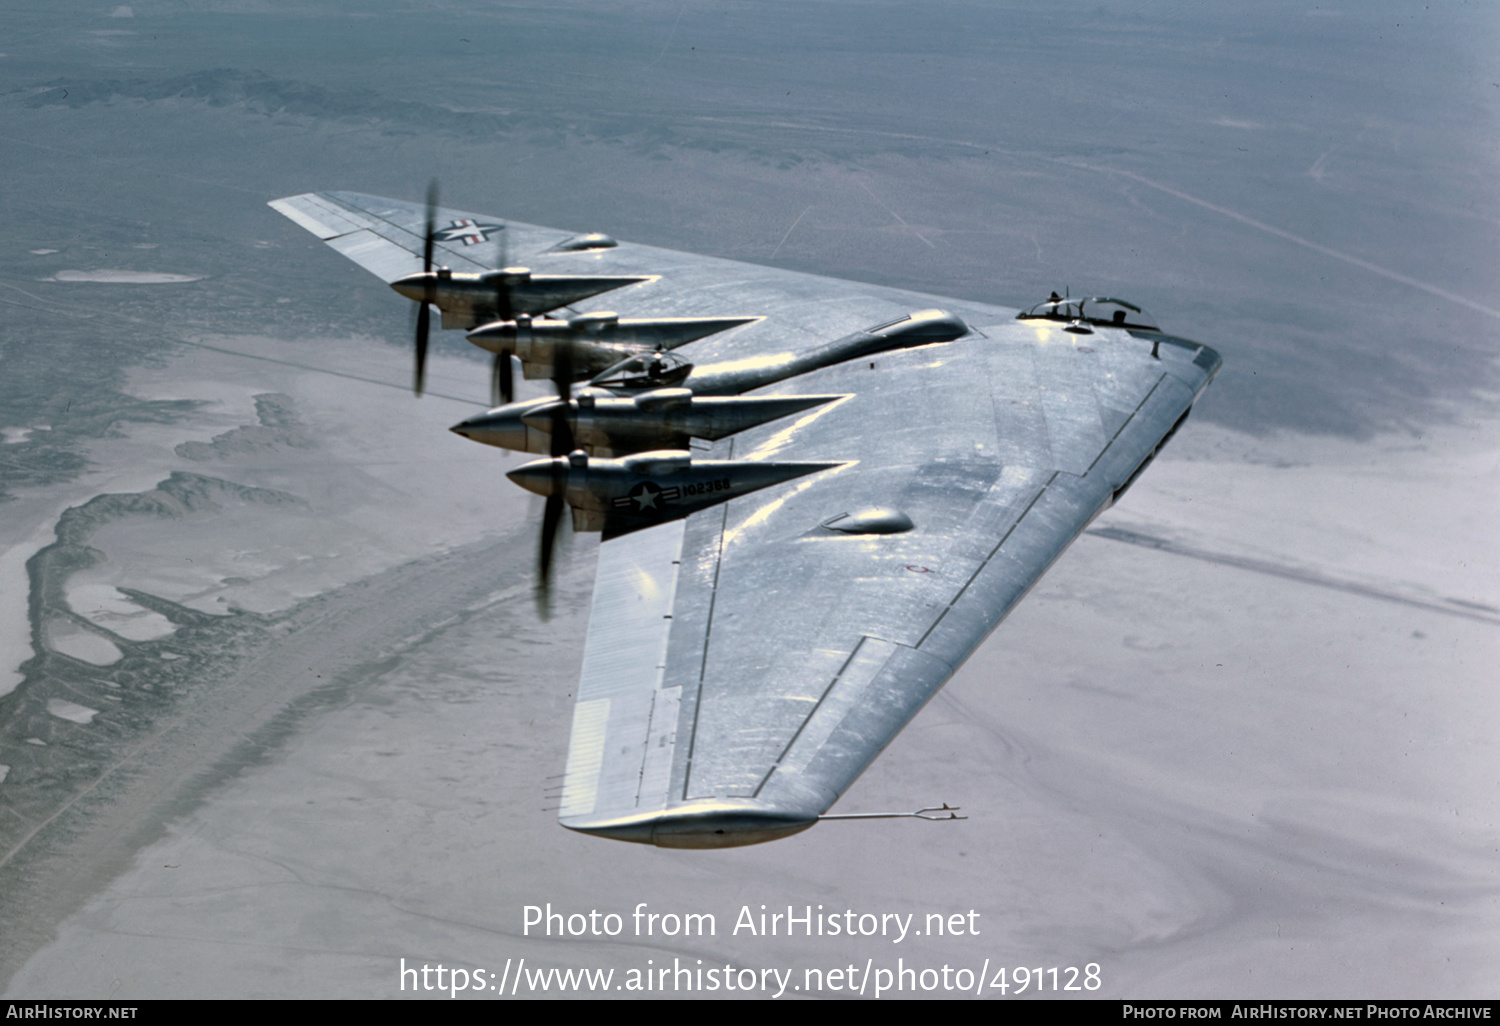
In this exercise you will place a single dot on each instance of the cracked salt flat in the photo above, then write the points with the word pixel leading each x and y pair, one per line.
pixel 362 474
pixel 72 640
pixel 126 277
pixel 15 588
pixel 71 711
pixel 103 605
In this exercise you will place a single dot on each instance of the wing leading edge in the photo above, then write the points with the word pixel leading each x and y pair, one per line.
pixel 746 663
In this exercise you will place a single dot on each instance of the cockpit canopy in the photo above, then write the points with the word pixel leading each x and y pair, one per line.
pixel 645 370
pixel 1101 310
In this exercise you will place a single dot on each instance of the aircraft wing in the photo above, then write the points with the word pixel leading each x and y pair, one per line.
pixel 385 236
pixel 744 664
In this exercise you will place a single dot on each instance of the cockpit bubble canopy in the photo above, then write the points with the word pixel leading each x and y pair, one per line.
pixel 645 370
pixel 1100 310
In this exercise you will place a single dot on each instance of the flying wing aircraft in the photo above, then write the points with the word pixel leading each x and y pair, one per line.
pixel 817 497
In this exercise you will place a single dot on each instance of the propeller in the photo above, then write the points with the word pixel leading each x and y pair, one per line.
pixel 562 445
pixel 562 377
pixel 424 310
pixel 502 374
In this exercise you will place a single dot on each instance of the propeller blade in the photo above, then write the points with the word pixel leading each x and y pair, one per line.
pixel 424 313
pixel 504 310
pixel 551 521
pixel 562 369
pixel 504 245
pixel 429 238
pixel 562 377
pixel 424 319
pixel 502 379
pixel 504 307
pixel 562 435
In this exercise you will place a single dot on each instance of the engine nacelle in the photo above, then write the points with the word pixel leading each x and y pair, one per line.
pixel 636 491
pixel 468 300
pixel 606 425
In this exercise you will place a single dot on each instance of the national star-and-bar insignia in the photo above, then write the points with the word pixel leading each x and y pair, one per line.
pixel 646 495
pixel 468 231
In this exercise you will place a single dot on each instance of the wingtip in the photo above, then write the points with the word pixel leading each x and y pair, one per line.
pixel 698 828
